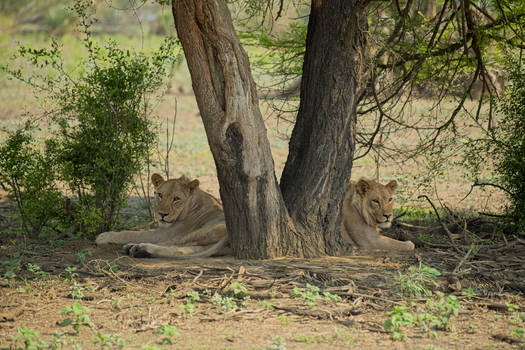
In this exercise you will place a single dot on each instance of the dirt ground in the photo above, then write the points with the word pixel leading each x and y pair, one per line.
pixel 133 300
pixel 143 304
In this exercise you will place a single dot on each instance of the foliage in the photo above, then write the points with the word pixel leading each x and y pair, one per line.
pixel 58 341
pixel 237 297
pixel 103 134
pixel 309 294
pixel 191 298
pixel 224 303
pixel 438 312
pixel 267 304
pixel 83 254
pixel 284 53
pixel 11 267
pixel 445 55
pixel 518 333
pixel 509 143
pixel 169 332
pixel 278 344
pixel 330 298
pixel 503 145
pixel 110 341
pixel 80 316
pixel 77 291
pixel 29 176
pixel 29 338
pixel 398 318
pixel 37 272
pixel 239 290
pixel 436 315
pixel 417 281
pixel 468 293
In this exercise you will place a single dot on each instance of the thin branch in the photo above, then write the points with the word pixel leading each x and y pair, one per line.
pixel 486 184
pixel 449 234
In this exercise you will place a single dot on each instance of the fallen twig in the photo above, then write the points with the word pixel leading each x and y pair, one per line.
pixel 319 313
pixel 449 234
pixel 506 338
pixel 462 261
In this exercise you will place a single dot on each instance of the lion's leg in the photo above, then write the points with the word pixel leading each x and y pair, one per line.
pixel 371 239
pixel 149 250
pixel 347 238
pixel 123 237
pixel 387 243
pixel 202 237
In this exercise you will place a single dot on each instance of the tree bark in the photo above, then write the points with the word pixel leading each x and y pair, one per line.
pixel 323 139
pixel 256 217
pixel 322 144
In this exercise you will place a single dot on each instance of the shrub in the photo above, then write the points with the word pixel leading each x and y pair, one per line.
pixel 29 176
pixel 418 281
pixel 497 156
pixel 103 135
pixel 509 141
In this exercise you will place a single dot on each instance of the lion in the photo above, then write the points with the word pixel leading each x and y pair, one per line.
pixel 367 208
pixel 191 224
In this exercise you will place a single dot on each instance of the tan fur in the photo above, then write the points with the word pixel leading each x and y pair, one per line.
pixel 367 207
pixel 191 224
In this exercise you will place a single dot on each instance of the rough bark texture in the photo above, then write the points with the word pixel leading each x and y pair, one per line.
pixel 256 216
pixel 322 142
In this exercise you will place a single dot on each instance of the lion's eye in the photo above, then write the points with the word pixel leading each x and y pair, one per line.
pixel 159 194
pixel 375 201
pixel 175 199
pixel 390 199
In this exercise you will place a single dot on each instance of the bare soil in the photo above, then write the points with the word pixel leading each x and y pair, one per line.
pixel 134 298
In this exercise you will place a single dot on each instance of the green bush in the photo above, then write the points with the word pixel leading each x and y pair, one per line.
pixel 104 135
pixel 509 142
pixel 99 116
pixel 29 176
pixel 497 157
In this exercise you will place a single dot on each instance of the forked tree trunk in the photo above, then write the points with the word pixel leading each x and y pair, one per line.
pixel 322 144
pixel 256 217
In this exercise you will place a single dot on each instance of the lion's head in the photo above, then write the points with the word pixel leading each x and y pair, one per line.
pixel 172 197
pixel 375 201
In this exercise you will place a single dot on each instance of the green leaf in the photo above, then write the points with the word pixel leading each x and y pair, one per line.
pixel 66 322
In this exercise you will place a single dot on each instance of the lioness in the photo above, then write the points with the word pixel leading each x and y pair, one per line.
pixel 191 224
pixel 367 207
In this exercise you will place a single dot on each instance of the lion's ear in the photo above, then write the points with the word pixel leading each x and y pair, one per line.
pixel 157 179
pixel 193 184
pixel 392 185
pixel 363 186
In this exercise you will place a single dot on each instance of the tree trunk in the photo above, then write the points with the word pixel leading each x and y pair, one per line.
pixel 322 142
pixel 256 217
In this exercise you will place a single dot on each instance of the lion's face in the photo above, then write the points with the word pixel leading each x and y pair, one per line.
pixel 377 201
pixel 172 197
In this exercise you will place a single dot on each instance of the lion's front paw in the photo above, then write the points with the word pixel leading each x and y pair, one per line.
pixel 137 250
pixel 409 245
pixel 105 238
